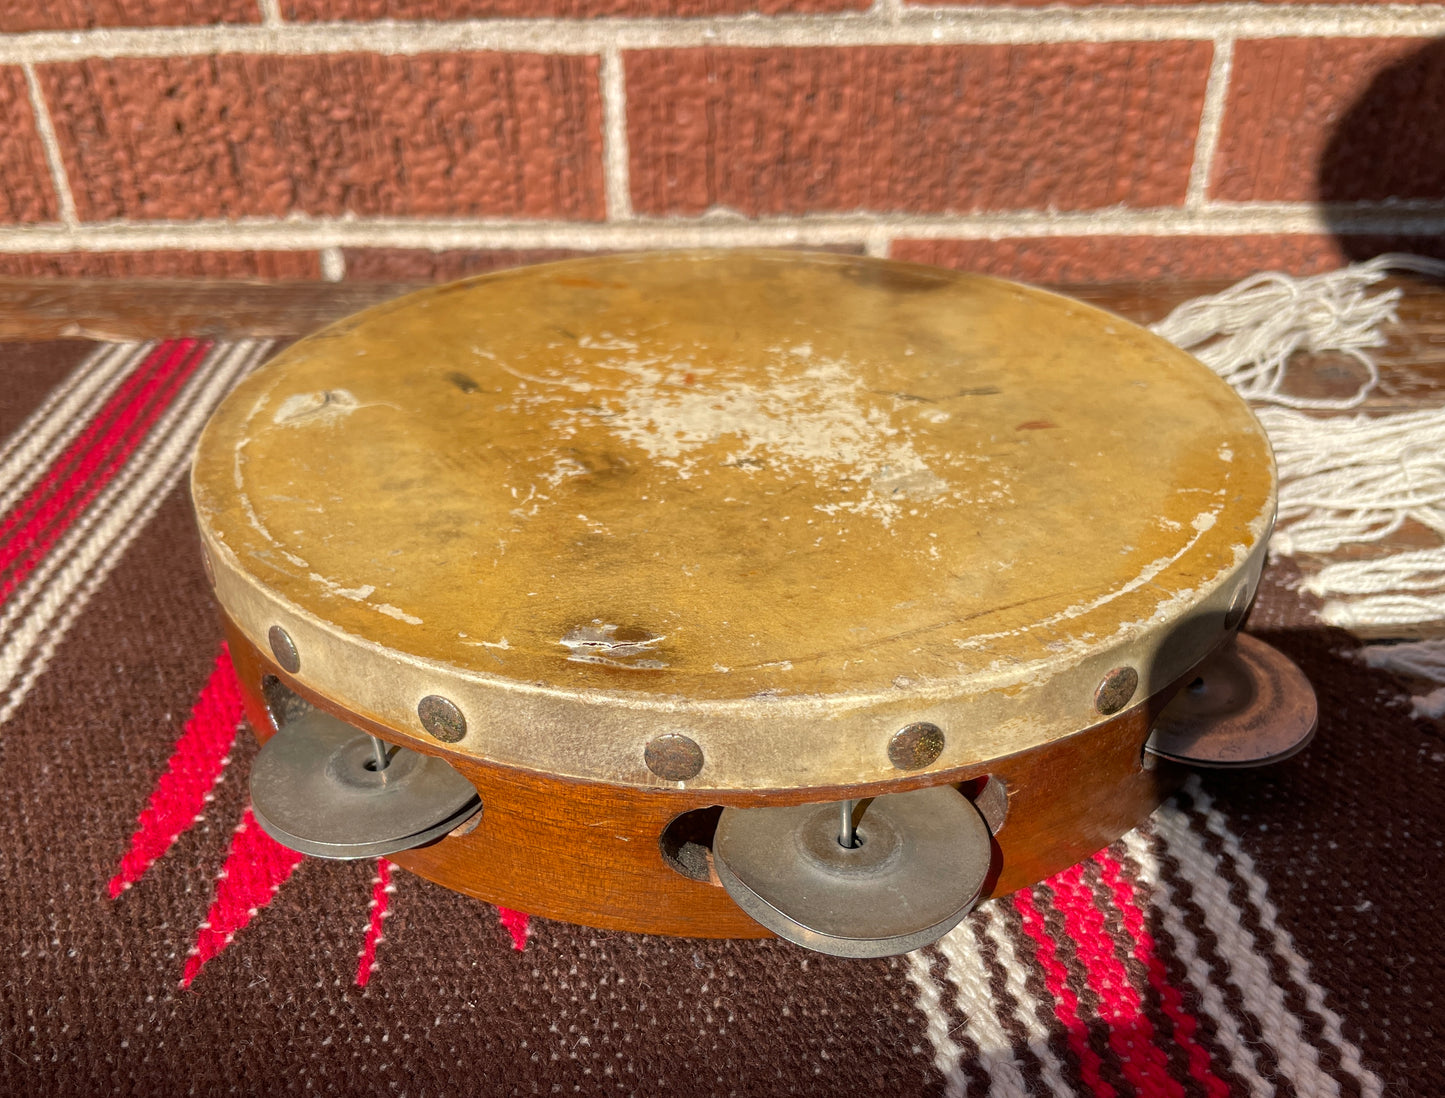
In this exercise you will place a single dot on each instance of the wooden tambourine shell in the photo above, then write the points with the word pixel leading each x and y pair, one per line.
pixel 633 537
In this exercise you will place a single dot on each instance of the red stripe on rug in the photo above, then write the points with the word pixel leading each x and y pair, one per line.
pixel 1066 1003
pixel 1171 1001
pixel 381 890
pixel 70 484
pixel 255 869
pixel 91 462
pixel 517 924
pixel 195 766
pixel 100 423
pixel 1131 1033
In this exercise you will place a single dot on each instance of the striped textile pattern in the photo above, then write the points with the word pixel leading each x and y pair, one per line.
pixel 85 472
pixel 1157 967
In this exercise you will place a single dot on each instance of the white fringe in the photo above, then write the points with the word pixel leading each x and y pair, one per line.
pixel 1352 480
pixel 1418 570
pixel 1421 659
pixel 1247 333
pixel 1344 481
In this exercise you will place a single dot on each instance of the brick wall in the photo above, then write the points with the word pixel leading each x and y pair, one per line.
pixel 420 139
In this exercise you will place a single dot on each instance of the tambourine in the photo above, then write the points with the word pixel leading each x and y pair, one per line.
pixel 735 593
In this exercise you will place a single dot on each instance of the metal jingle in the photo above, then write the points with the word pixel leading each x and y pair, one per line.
pixel 1249 706
pixel 316 787
pixel 919 868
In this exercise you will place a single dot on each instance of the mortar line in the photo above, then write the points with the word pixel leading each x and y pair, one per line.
pixel 614 136
pixel 270 12
pixel 946 26
pixel 51 144
pixel 299 233
pixel 1211 119
pixel 333 264
pixel 890 11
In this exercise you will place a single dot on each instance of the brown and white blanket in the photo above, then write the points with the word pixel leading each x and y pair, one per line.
pixel 1273 932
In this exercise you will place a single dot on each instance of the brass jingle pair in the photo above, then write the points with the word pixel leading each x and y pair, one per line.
pixel 853 879
pixel 924 856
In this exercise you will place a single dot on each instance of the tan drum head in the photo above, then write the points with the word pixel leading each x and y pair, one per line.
pixel 778 506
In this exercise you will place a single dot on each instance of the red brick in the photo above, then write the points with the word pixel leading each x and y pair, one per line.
pixel 1086 260
pixel 25 191
pixel 273 266
pixel 311 10
pixel 915 129
pixel 477 134
pixel 1339 119
pixel 31 15
pixel 1115 3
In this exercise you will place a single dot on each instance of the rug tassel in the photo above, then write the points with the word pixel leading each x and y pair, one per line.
pixel 1344 481
pixel 1418 659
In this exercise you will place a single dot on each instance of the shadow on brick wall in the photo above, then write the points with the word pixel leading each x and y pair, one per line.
pixel 1389 146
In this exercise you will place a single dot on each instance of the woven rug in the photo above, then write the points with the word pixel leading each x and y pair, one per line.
pixel 1265 933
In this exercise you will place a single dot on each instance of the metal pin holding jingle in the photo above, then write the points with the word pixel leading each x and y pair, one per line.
pixel 847 833
pixel 380 753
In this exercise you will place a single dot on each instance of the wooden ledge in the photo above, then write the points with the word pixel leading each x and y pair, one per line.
pixel 1412 363
pixel 34 309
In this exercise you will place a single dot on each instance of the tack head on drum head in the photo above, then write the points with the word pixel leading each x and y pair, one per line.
pixel 316 787
pixel 918 867
pixel 1249 706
